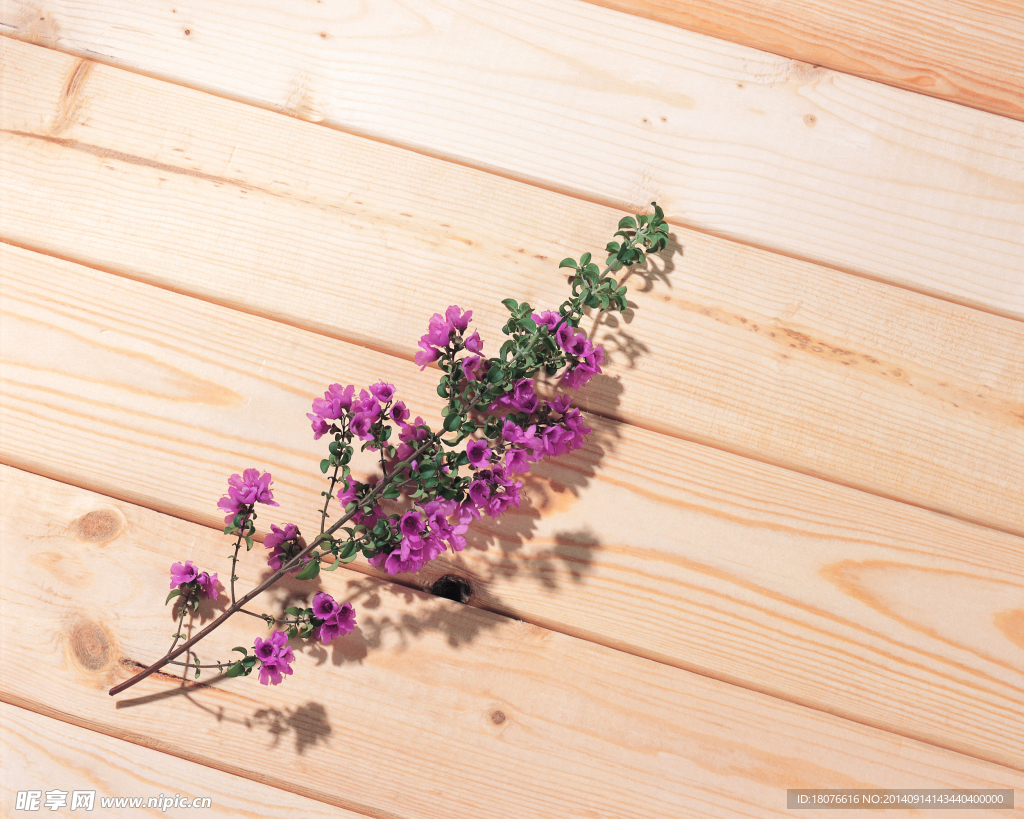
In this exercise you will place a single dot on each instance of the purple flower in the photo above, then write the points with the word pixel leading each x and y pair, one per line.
pixel 244 490
pixel 336 400
pixel 254 487
pixel 473 343
pixel 399 412
pixel 340 622
pixel 474 367
pixel 383 392
pixel 439 331
pixel 479 492
pixel 324 606
pixel 427 355
pixel 275 541
pixel 183 573
pixel 516 461
pixel 208 584
pixel 458 319
pixel 547 318
pixel 320 426
pixel 479 453
pixel 275 656
pixel 360 426
pixel 411 524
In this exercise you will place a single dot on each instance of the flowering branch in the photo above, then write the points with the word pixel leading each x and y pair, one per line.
pixel 424 502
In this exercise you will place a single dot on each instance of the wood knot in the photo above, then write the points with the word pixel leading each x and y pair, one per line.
pixel 102 524
pixel 498 717
pixel 452 587
pixel 90 645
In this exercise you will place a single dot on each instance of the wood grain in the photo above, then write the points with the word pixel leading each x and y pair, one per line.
pixel 41 753
pixel 615 109
pixel 883 613
pixel 964 51
pixel 733 347
pixel 430 709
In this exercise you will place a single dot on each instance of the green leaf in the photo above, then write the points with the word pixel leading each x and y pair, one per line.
pixel 451 422
pixel 242 649
pixel 311 571
pixel 584 260
pixel 293 611
pixel 325 465
pixel 172 595
pixel 248 662
pixel 333 566
pixel 511 304
pixel 567 263
pixel 236 670
pixel 627 222
pixel 527 323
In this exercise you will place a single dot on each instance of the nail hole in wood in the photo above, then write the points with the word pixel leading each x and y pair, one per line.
pixel 452 587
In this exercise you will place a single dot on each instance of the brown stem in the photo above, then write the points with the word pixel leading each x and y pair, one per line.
pixel 266 584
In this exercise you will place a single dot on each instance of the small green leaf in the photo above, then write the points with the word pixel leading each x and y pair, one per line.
pixel 325 465
pixel 294 611
pixel 172 595
pixel 584 260
pixel 244 651
pixel 236 670
pixel 312 570
pixel 333 566
pixel 452 421
pixel 511 304
pixel 627 222
pixel 567 263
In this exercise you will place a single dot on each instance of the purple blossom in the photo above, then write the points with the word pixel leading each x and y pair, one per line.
pixel 208 584
pixel 473 343
pixel 183 573
pixel 516 461
pixel 428 355
pixel 399 412
pixel 244 490
pixel 457 318
pixel 360 426
pixel 548 319
pixel 324 605
pixel 275 657
pixel 320 426
pixel 342 621
pixel 411 524
pixel 474 367
pixel 383 392
pixel 275 541
pixel 479 453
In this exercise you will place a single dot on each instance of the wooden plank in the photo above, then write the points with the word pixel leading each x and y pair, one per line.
pixel 616 109
pixel 46 754
pixel 734 347
pixel 802 589
pixel 464 707
pixel 964 51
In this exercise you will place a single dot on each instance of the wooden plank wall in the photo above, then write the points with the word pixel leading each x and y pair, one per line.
pixel 791 554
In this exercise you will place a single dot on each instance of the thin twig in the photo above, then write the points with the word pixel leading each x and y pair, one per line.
pixel 266 584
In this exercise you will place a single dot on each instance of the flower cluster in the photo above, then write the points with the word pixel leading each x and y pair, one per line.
pixel 187 579
pixel 583 357
pixel 447 332
pixel 244 491
pixel 275 656
pixel 330 618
